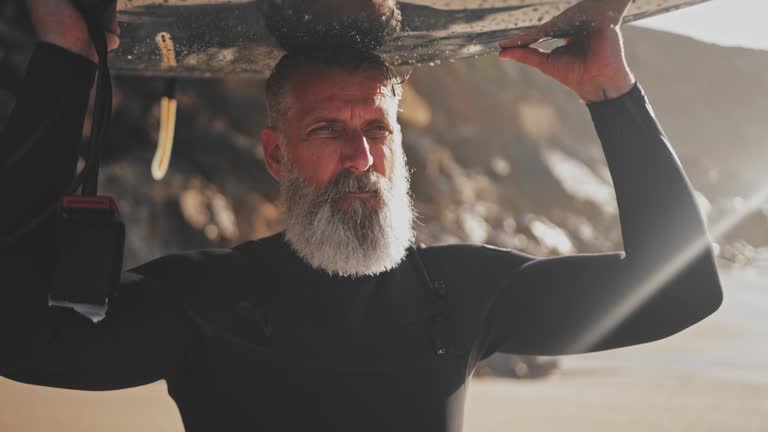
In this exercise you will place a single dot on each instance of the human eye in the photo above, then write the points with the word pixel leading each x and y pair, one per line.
pixel 377 131
pixel 325 130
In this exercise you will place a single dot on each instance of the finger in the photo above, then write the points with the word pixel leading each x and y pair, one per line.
pixel 113 34
pixel 528 56
pixel 113 41
pixel 523 39
pixel 567 22
pixel 575 47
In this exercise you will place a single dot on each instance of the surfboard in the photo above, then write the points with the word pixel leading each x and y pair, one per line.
pixel 209 38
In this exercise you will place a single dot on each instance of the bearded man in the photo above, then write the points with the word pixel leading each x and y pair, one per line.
pixel 340 323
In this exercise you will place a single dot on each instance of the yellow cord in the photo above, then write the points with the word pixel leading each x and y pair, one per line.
pixel 162 158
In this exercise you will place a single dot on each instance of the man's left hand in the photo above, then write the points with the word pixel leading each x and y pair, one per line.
pixel 592 65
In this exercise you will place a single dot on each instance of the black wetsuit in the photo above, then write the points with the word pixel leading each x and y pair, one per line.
pixel 254 339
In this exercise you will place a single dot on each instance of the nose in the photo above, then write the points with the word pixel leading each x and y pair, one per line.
pixel 356 154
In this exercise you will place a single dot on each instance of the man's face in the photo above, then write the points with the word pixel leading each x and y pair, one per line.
pixel 338 120
pixel 342 171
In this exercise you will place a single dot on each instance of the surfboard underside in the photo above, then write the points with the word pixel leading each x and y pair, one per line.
pixel 229 37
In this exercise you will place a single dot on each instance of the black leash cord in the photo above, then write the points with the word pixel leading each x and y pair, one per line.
pixel 102 113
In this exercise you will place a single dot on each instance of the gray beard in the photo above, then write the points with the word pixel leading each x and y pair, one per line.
pixel 359 237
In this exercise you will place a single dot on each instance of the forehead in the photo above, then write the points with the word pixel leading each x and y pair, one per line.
pixel 318 90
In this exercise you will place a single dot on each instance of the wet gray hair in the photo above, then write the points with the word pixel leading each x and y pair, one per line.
pixel 348 59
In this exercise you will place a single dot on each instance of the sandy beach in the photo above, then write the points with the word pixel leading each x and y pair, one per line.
pixel 713 377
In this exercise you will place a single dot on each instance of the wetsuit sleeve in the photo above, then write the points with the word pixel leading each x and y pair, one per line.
pixel 666 279
pixel 144 333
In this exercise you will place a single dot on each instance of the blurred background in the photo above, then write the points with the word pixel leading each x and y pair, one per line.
pixel 504 156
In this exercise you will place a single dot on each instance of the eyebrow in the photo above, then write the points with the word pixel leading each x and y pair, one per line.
pixel 324 118
pixel 321 119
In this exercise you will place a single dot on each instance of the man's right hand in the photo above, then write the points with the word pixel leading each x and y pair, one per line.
pixel 58 22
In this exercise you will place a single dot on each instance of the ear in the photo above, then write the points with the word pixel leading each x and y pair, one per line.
pixel 273 154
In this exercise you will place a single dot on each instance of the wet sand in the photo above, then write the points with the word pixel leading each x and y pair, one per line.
pixel 712 377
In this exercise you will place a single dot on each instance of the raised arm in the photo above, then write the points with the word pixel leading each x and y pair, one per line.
pixel 666 279
pixel 146 332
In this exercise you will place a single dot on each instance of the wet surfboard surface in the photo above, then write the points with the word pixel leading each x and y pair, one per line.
pixel 209 38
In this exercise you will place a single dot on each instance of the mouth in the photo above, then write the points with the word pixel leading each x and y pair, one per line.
pixel 360 194
pixel 370 199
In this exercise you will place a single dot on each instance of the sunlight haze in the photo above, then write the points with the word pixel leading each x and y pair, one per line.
pixel 724 22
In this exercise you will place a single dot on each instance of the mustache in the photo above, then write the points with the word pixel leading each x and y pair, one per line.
pixel 347 181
